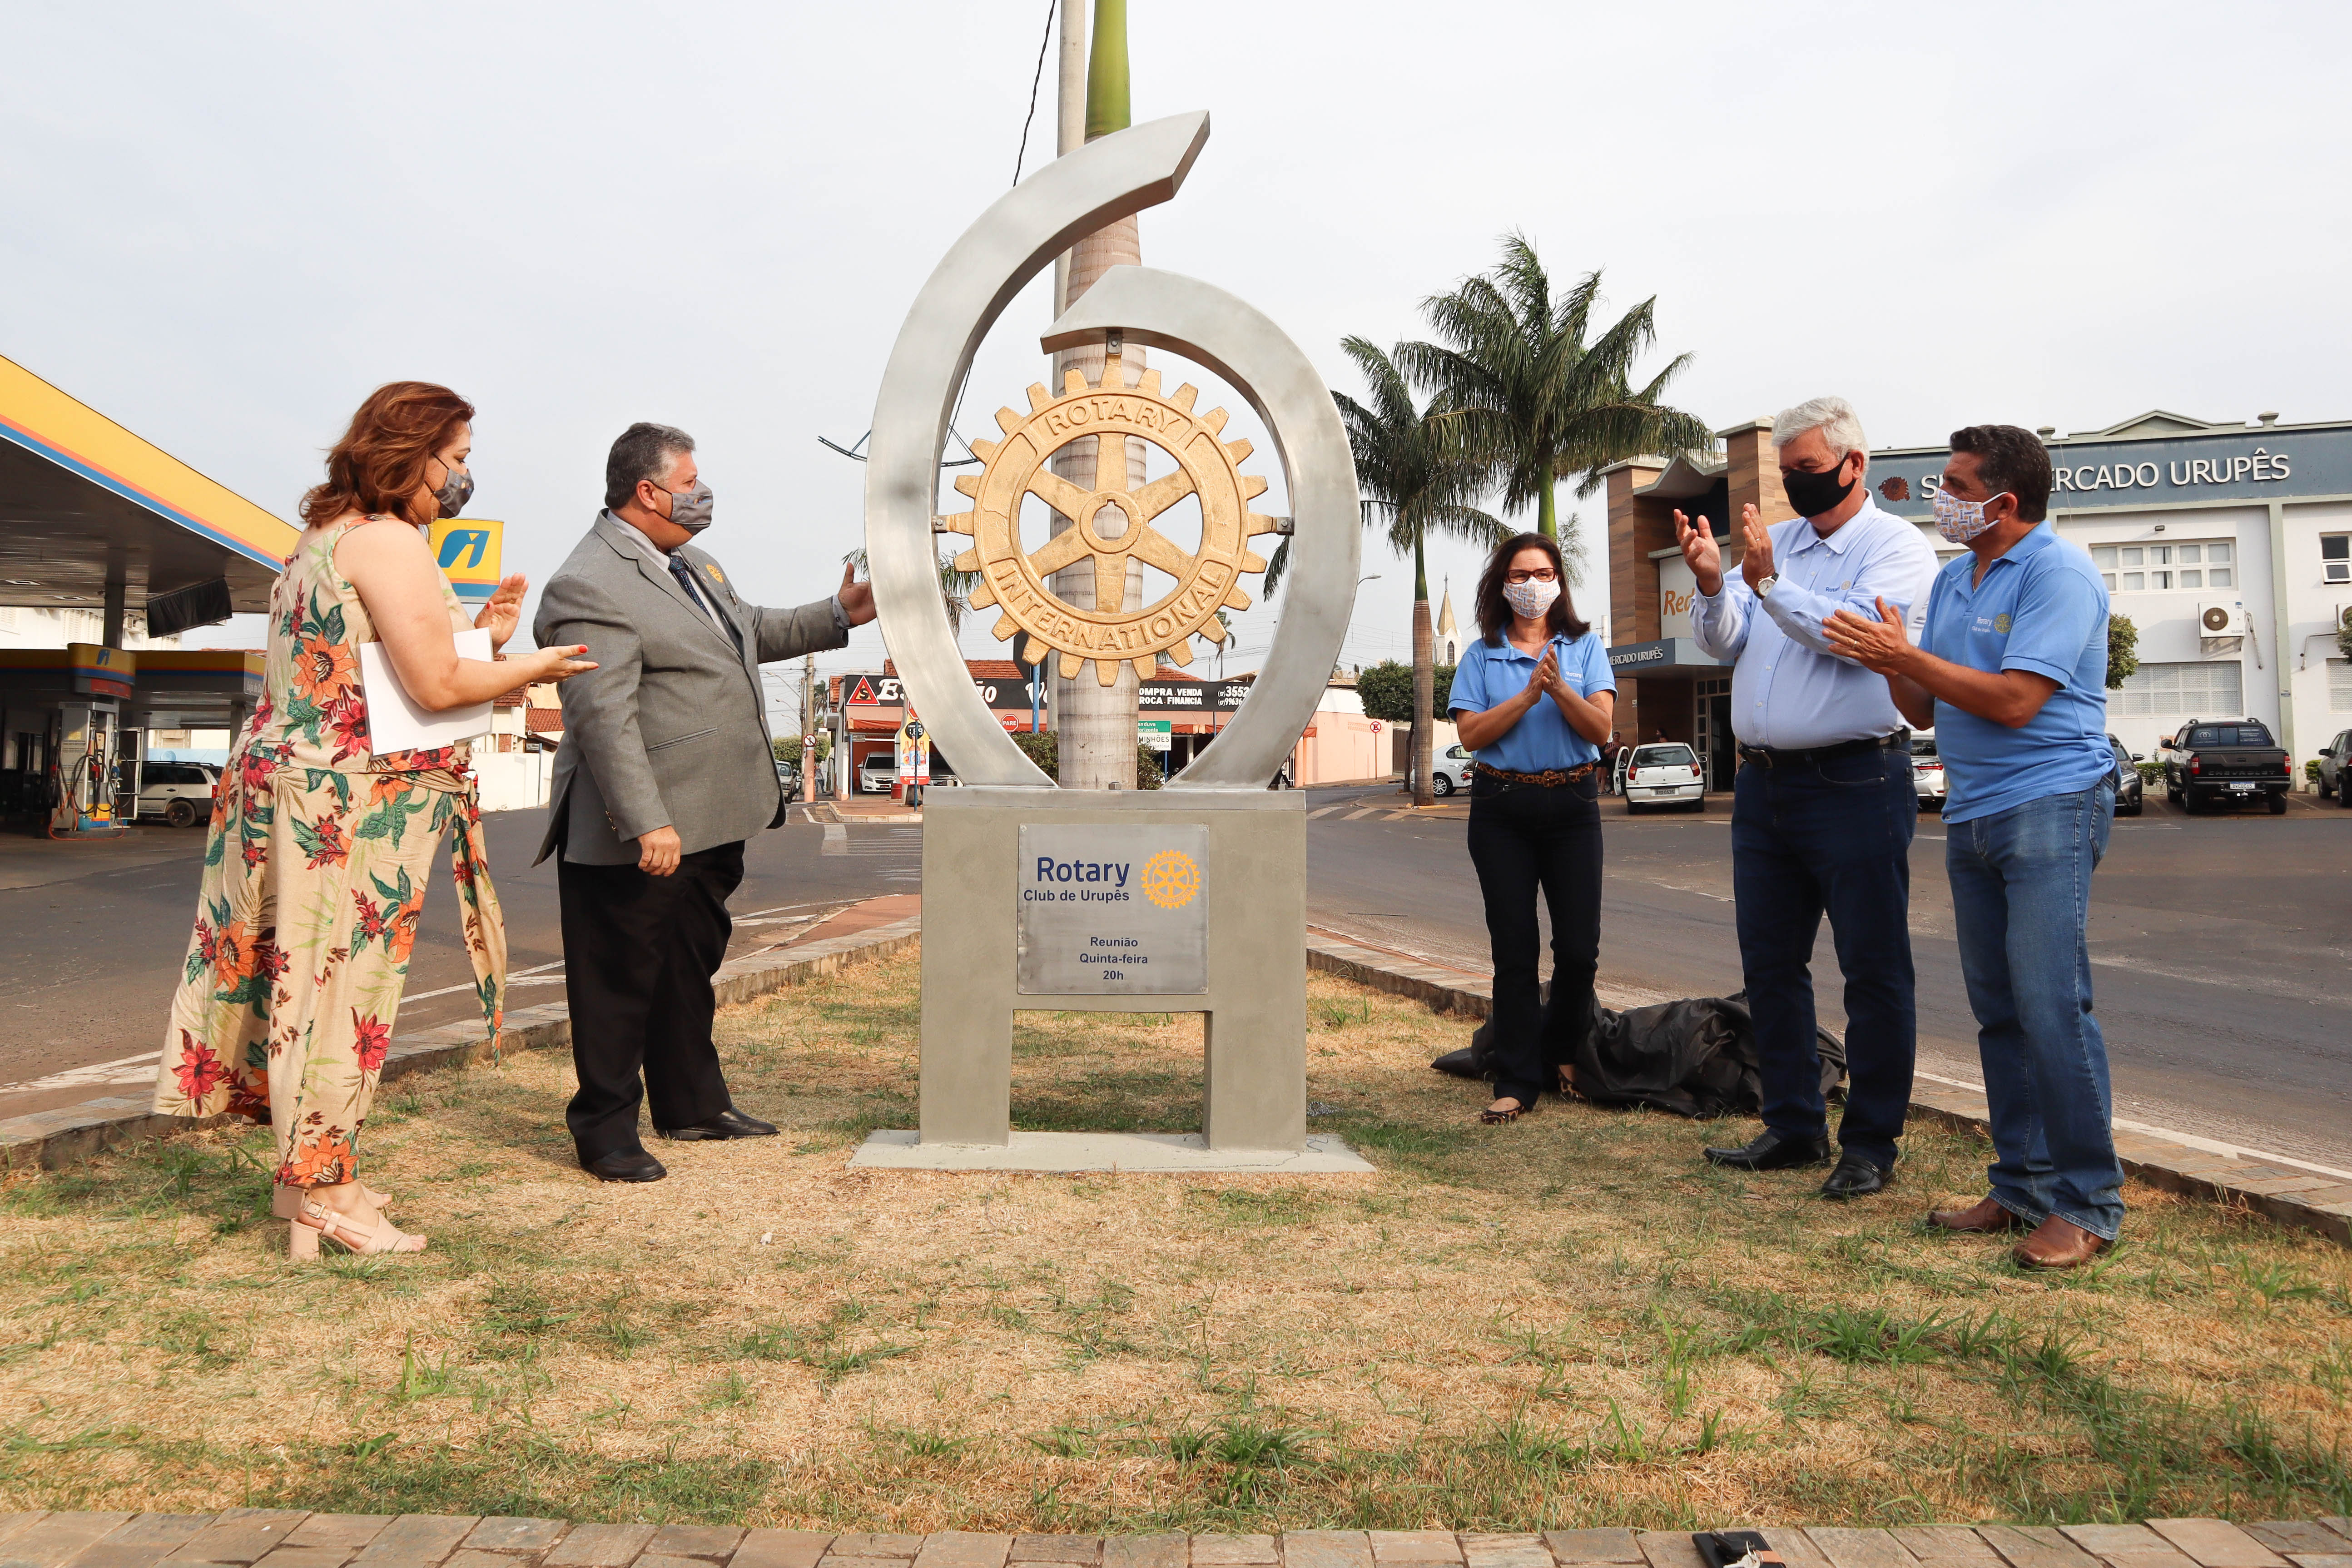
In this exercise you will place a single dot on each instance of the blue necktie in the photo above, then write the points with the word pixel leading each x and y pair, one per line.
pixel 685 576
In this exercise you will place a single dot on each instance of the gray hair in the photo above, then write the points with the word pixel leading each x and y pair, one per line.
pixel 1834 417
pixel 644 451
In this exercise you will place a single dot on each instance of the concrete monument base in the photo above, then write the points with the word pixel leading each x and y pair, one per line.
pixel 1325 1154
pixel 1169 900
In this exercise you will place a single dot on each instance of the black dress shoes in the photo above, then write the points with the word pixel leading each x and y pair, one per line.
pixel 625 1165
pixel 728 1124
pixel 1773 1151
pixel 1856 1177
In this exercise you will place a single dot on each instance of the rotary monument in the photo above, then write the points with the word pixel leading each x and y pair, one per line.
pixel 1189 898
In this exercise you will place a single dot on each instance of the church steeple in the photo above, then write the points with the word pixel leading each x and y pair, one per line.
pixel 1448 635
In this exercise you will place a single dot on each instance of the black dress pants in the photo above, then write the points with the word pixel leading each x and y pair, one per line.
pixel 1525 840
pixel 638 954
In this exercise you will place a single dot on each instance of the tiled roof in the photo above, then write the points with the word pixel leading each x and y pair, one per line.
pixel 543 720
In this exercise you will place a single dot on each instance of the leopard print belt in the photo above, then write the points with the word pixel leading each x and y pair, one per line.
pixel 1550 778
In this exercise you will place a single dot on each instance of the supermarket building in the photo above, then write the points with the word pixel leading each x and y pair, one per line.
pixel 2228 545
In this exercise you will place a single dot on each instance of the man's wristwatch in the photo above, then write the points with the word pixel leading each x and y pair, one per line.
pixel 1764 589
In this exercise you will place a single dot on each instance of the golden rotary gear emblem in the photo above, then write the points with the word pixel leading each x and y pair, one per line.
pixel 1170 878
pixel 1015 466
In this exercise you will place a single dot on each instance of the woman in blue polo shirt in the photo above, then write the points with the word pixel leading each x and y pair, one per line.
pixel 1534 698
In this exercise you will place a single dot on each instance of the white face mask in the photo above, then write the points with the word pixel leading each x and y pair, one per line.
pixel 1960 521
pixel 1531 598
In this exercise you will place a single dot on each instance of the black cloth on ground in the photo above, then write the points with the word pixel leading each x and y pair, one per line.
pixel 1693 1057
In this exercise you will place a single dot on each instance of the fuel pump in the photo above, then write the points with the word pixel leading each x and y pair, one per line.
pixel 82 777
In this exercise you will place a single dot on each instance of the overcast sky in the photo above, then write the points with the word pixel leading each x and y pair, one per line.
pixel 229 221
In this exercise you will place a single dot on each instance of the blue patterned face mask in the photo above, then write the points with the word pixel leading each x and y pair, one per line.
pixel 1960 521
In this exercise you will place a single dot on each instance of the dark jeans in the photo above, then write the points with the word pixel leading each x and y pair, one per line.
pixel 1523 839
pixel 638 955
pixel 1832 837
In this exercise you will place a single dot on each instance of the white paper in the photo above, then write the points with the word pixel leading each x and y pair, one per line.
pixel 395 723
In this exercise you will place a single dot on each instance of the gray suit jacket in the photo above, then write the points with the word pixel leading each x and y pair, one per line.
pixel 670 729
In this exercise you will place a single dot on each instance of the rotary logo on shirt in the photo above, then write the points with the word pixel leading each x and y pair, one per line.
pixel 2001 623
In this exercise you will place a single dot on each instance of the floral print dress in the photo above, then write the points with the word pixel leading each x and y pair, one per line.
pixel 314 886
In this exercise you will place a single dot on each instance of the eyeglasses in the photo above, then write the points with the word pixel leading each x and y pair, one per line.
pixel 1540 574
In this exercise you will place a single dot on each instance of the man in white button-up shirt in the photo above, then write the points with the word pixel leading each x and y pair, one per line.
pixel 1823 806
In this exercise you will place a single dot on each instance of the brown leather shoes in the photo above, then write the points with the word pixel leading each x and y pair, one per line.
pixel 2057 1243
pixel 1984 1214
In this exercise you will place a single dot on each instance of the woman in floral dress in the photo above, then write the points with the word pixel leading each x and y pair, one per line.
pixel 315 870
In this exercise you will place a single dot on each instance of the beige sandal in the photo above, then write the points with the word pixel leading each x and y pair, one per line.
pixel 286 1201
pixel 315 1221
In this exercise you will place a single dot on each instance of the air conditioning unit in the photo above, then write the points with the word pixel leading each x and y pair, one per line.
pixel 2220 618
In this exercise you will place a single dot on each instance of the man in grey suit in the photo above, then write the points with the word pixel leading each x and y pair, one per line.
pixel 666 768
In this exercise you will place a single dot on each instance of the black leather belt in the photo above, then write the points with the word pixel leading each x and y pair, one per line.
pixel 1781 757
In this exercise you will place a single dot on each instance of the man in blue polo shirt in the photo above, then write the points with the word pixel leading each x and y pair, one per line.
pixel 2012 673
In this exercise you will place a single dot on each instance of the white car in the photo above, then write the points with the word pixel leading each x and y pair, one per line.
pixel 1664 773
pixel 1926 771
pixel 179 793
pixel 878 772
pixel 1449 769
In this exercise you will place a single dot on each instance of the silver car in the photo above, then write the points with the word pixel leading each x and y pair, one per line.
pixel 1666 774
pixel 179 793
pixel 1926 771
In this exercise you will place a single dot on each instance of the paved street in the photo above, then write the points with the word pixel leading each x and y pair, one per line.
pixel 2219 946
pixel 95 931
pixel 2220 967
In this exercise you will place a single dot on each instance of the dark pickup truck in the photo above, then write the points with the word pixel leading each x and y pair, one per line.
pixel 2212 761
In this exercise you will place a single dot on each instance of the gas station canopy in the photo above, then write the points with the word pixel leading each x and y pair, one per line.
pixel 86 506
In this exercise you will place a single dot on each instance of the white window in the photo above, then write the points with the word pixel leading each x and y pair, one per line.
pixel 2183 691
pixel 2336 557
pixel 2339 686
pixel 2116 564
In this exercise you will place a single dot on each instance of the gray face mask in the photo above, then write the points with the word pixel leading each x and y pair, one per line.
pixel 455 491
pixel 690 509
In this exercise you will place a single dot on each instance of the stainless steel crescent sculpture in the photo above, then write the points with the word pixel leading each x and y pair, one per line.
pixel 1186 316
pixel 1011 243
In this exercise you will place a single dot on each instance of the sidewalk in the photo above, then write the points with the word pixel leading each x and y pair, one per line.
pixel 271 1538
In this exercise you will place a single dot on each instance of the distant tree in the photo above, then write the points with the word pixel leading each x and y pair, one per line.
pixel 1042 748
pixel 2123 650
pixel 1146 768
pixel 1529 397
pixel 1386 689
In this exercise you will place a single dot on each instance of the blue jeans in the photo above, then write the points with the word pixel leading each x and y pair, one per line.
pixel 2021 901
pixel 1832 838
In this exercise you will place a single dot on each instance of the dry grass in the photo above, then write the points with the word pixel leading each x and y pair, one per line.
pixel 1568 1321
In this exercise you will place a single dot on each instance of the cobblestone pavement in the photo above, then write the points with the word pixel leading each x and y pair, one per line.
pixel 289 1538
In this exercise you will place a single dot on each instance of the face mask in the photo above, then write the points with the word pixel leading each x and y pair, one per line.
pixel 1814 494
pixel 690 509
pixel 1960 521
pixel 1531 598
pixel 455 492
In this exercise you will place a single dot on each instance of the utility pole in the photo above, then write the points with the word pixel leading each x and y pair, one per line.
pixel 808 728
pixel 1097 723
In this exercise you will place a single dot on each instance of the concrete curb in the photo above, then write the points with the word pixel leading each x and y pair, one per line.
pixel 50 1139
pixel 2306 1200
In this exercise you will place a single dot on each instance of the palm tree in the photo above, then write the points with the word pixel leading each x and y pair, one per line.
pixel 1529 397
pixel 955 587
pixel 1411 479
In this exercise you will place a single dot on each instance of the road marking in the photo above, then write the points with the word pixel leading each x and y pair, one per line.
pixel 1324 811
pixel 837 839
pixel 514 976
pixel 1360 811
pixel 95 1073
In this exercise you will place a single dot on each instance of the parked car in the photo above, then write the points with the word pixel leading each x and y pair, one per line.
pixel 788 777
pixel 1662 775
pixel 2332 757
pixel 1926 771
pixel 1449 769
pixel 879 771
pixel 2126 779
pixel 179 793
pixel 2209 760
